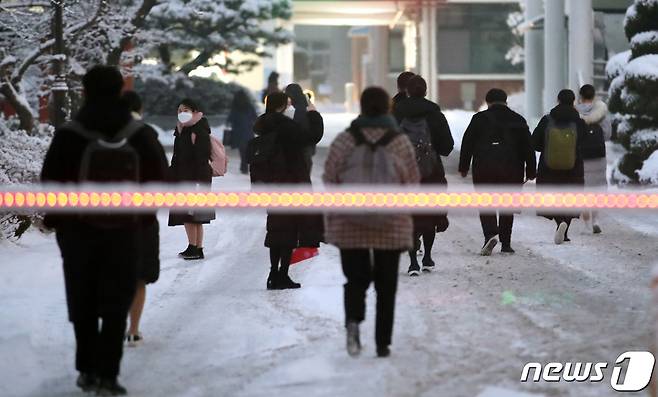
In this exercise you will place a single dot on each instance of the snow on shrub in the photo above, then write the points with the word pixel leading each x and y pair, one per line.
pixel 21 158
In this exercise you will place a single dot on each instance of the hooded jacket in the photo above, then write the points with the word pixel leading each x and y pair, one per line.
pixel 596 113
pixel 561 114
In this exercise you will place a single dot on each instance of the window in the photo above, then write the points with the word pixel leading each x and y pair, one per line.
pixel 474 38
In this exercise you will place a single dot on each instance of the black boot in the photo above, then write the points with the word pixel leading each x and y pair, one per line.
pixel 273 280
pixel 110 387
pixel 353 339
pixel 194 254
pixel 507 248
pixel 383 351
pixel 87 381
pixel 190 248
pixel 285 282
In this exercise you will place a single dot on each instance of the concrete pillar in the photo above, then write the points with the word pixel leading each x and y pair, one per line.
pixel 555 54
pixel 378 56
pixel 534 63
pixel 285 59
pixel 429 61
pixel 581 43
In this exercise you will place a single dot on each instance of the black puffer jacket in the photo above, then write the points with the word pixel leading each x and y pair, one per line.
pixel 561 114
pixel 442 141
pixel 294 139
pixel 190 160
pixel 477 141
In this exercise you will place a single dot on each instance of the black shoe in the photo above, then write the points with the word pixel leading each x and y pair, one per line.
pixel 190 248
pixel 414 270
pixel 383 351
pixel 110 387
pixel 507 249
pixel 272 280
pixel 87 381
pixel 285 282
pixel 428 265
pixel 596 229
pixel 353 339
pixel 196 253
pixel 489 245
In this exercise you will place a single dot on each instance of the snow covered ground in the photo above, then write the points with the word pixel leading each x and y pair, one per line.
pixel 211 328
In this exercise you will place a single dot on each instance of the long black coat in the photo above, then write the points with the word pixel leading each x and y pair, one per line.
pixel 547 177
pixel 106 261
pixel 189 164
pixel 442 142
pixel 477 139
pixel 292 230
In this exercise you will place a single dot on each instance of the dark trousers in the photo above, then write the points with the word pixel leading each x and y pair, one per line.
pixel 497 224
pixel 100 275
pixel 361 267
pixel 244 165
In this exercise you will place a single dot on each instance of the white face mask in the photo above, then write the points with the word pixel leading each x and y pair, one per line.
pixel 184 117
pixel 289 112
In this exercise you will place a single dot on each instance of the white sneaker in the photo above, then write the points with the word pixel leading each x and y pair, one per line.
pixel 560 233
pixel 489 246
pixel 134 340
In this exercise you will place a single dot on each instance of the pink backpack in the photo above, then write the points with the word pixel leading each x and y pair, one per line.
pixel 218 159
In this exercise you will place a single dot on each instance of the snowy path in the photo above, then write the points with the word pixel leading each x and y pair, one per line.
pixel 212 329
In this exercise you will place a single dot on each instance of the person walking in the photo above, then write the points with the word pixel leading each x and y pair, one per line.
pixel 402 81
pixel 190 165
pixel 241 119
pixel 277 157
pixel 497 143
pixel 100 252
pixel 559 138
pixel 427 129
pixel 599 129
pixel 371 151
pixel 148 264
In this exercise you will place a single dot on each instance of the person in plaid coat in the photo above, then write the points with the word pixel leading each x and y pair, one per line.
pixel 371 253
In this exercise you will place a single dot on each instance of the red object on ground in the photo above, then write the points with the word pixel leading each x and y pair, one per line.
pixel 302 254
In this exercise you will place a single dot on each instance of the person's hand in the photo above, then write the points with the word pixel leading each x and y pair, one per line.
pixel 464 174
pixel 311 108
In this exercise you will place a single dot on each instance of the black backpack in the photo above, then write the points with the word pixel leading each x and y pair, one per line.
pixel 108 160
pixel 496 152
pixel 266 158
pixel 593 146
pixel 418 132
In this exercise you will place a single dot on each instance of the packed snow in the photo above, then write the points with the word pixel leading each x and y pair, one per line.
pixel 466 330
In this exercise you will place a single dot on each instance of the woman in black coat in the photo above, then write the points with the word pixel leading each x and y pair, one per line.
pixel 563 115
pixel 414 108
pixel 285 232
pixel 190 165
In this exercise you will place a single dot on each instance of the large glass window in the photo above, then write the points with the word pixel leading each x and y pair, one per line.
pixel 474 38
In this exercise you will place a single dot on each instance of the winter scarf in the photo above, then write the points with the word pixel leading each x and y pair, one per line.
pixel 196 116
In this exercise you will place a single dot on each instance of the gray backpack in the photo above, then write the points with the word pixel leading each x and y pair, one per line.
pixel 370 163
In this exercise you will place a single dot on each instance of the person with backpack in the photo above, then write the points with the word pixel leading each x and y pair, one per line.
pixel 241 118
pixel 599 129
pixel 371 152
pixel 402 81
pixel 427 129
pixel 559 138
pixel 497 143
pixel 101 251
pixel 276 157
pixel 190 165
